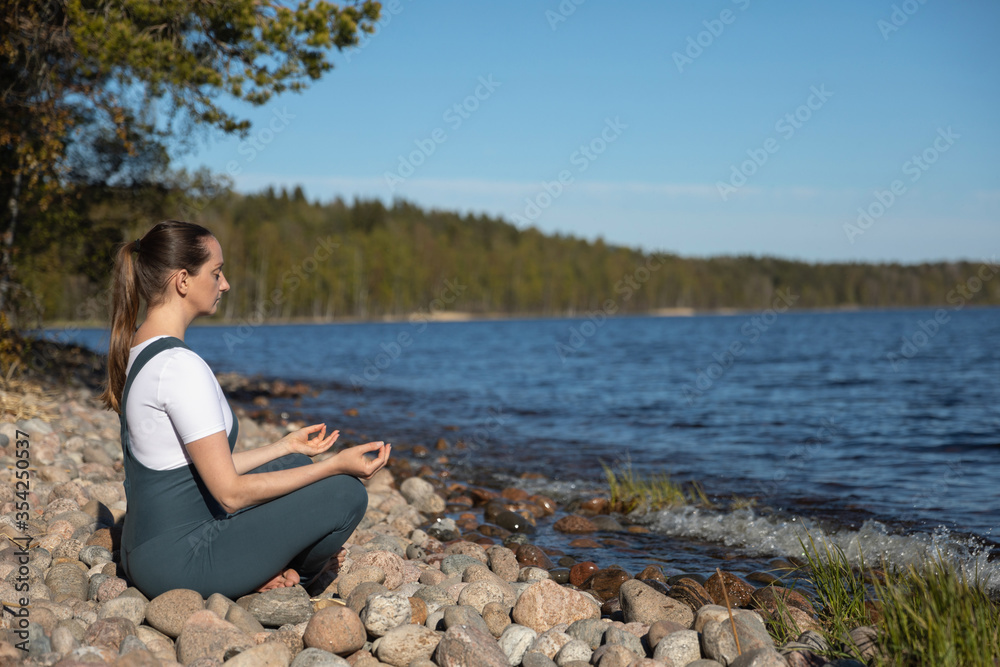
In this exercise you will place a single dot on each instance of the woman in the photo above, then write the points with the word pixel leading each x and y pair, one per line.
pixel 199 515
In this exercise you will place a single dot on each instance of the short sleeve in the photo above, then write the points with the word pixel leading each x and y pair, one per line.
pixel 189 393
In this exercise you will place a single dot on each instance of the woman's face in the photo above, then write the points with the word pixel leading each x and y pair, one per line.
pixel 210 283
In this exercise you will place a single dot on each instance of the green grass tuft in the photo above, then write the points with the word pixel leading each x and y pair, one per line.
pixel 934 616
pixel 630 492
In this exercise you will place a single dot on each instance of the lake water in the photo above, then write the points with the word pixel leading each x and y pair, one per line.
pixel 878 429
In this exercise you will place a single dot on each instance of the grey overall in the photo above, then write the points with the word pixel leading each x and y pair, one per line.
pixel 176 535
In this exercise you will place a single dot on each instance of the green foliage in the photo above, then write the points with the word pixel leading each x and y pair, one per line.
pixel 393 262
pixel 933 616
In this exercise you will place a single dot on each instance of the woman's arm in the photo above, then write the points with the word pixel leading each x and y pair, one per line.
pixel 253 458
pixel 234 491
pixel 296 442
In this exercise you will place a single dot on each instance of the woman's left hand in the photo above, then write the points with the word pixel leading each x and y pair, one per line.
pixel 298 442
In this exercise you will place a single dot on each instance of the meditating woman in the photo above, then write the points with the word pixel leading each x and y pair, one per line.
pixel 200 516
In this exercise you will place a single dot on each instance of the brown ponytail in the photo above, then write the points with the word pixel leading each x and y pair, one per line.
pixel 142 270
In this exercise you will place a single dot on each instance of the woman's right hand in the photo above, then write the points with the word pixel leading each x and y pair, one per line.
pixel 352 461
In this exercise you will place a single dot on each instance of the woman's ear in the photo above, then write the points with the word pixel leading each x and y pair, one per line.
pixel 181 281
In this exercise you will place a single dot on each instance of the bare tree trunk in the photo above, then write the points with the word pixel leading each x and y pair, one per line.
pixel 6 264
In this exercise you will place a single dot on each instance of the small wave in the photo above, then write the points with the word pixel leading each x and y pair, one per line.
pixel 872 542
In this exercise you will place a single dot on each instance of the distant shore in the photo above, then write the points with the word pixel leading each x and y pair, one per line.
pixel 466 316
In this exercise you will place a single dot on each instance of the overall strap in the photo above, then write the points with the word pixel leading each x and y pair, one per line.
pixel 151 351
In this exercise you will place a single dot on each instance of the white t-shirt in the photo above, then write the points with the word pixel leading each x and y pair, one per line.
pixel 174 400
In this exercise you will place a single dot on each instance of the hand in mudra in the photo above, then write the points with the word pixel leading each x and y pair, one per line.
pixel 299 443
pixel 355 462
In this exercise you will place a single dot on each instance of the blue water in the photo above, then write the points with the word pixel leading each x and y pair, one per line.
pixel 810 414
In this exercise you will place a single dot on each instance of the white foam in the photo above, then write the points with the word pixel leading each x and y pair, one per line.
pixel 774 535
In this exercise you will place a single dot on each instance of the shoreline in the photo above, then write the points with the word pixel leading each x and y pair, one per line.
pixel 399 550
pixel 465 316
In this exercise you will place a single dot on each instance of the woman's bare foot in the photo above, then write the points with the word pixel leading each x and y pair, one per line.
pixel 283 579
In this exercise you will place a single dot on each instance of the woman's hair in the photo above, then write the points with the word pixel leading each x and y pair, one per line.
pixel 168 247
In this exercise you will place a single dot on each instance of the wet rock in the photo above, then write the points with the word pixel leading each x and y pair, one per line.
pixel 531 556
pixel 739 591
pixel 580 572
pixel 560 575
pixel 402 645
pixel 467 646
pixel 691 593
pixel 279 606
pixel 545 604
pixel 605 522
pixel 771 598
pixel 335 629
pixel 717 640
pixel 574 524
pixel 606 583
pixel 385 611
pixel 678 648
pixel 643 604
pixel 514 522
pixel 205 635
pixel 865 638
pixel 651 573
pixel 169 611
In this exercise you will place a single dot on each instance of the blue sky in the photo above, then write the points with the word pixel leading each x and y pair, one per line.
pixel 721 127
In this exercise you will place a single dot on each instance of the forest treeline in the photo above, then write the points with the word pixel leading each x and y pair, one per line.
pixel 288 258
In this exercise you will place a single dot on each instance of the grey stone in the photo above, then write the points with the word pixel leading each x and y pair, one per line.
pixel 131 608
pixel 455 615
pixel 67 580
pixel 435 597
pixel 403 644
pixel 279 606
pixel 502 562
pixel 514 642
pixel 385 611
pixel 131 643
pixel 317 657
pixel 457 563
pixel 537 660
pixel 615 635
pixel 642 603
pixel 93 554
pixel 678 648
pixel 467 646
pixel 419 493
pixel 717 640
pixel 572 650
pixel 169 611
pixel 95 583
pixel 761 657
pixel 589 630
pixel 268 654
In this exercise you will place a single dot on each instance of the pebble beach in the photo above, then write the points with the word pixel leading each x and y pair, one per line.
pixel 439 572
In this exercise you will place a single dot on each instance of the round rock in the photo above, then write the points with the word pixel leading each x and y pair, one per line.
pixel 335 629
